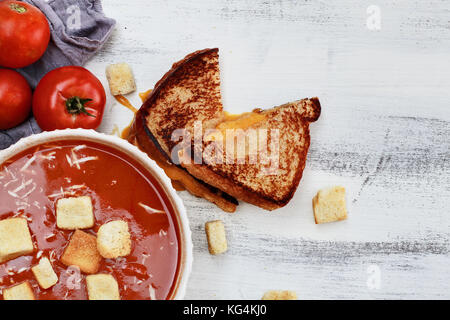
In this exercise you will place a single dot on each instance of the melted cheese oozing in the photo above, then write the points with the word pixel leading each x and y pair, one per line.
pixel 240 121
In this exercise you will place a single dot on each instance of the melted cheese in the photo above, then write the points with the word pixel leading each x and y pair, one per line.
pixel 125 102
pixel 240 121
pixel 234 122
pixel 144 95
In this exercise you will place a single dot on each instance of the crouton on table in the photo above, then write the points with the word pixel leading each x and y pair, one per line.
pixel 82 252
pixel 329 205
pixel 102 287
pixel 21 291
pixel 15 239
pixel 113 239
pixel 74 213
pixel 120 78
pixel 215 233
pixel 44 273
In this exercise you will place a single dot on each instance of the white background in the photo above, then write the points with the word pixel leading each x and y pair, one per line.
pixel 384 134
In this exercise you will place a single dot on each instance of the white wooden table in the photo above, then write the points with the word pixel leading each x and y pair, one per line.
pixel 384 134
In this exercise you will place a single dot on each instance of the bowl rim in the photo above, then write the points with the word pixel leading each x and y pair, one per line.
pixel 185 268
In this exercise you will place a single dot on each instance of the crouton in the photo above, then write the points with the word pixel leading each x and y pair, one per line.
pixel 215 233
pixel 113 239
pixel 82 252
pixel 15 239
pixel 44 273
pixel 120 78
pixel 279 295
pixel 329 205
pixel 74 213
pixel 21 291
pixel 102 287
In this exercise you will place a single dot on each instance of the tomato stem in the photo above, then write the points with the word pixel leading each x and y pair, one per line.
pixel 76 105
pixel 18 8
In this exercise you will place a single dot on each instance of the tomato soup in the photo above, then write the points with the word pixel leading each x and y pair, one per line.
pixel 120 188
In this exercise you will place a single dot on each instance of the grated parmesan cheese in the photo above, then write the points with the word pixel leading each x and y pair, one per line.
pixel 48 156
pixel 9 182
pixel 150 209
pixel 28 163
pixel 10 173
pixel 69 161
pixel 29 191
pixel 152 292
pixel 86 159
pixel 22 270
pixel 77 186
pixel 61 193
pixel 75 160
pixel 79 147
pixel 13 194
pixel 22 185
pixel 51 235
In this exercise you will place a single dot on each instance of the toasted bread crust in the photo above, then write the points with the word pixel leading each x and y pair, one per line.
pixel 194 83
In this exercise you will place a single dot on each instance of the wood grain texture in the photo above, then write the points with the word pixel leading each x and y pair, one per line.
pixel 383 134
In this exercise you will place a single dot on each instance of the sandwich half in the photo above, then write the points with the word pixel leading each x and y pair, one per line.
pixel 257 157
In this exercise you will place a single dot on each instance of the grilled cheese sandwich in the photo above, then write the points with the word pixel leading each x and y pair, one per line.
pixel 189 94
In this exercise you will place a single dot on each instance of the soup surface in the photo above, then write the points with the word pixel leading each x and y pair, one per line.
pixel 33 181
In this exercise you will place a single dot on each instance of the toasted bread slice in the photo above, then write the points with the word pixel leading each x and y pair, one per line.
pixel 190 94
pixel 264 181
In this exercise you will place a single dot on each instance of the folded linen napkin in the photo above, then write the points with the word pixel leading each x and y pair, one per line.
pixel 79 29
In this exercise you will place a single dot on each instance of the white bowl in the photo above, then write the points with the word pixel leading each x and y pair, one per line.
pixel 123 146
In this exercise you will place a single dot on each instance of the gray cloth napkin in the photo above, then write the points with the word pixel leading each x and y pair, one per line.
pixel 79 29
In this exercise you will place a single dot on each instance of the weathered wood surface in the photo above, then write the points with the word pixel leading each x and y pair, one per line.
pixel 384 134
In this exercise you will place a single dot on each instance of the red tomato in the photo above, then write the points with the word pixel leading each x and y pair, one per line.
pixel 24 34
pixel 15 99
pixel 69 97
